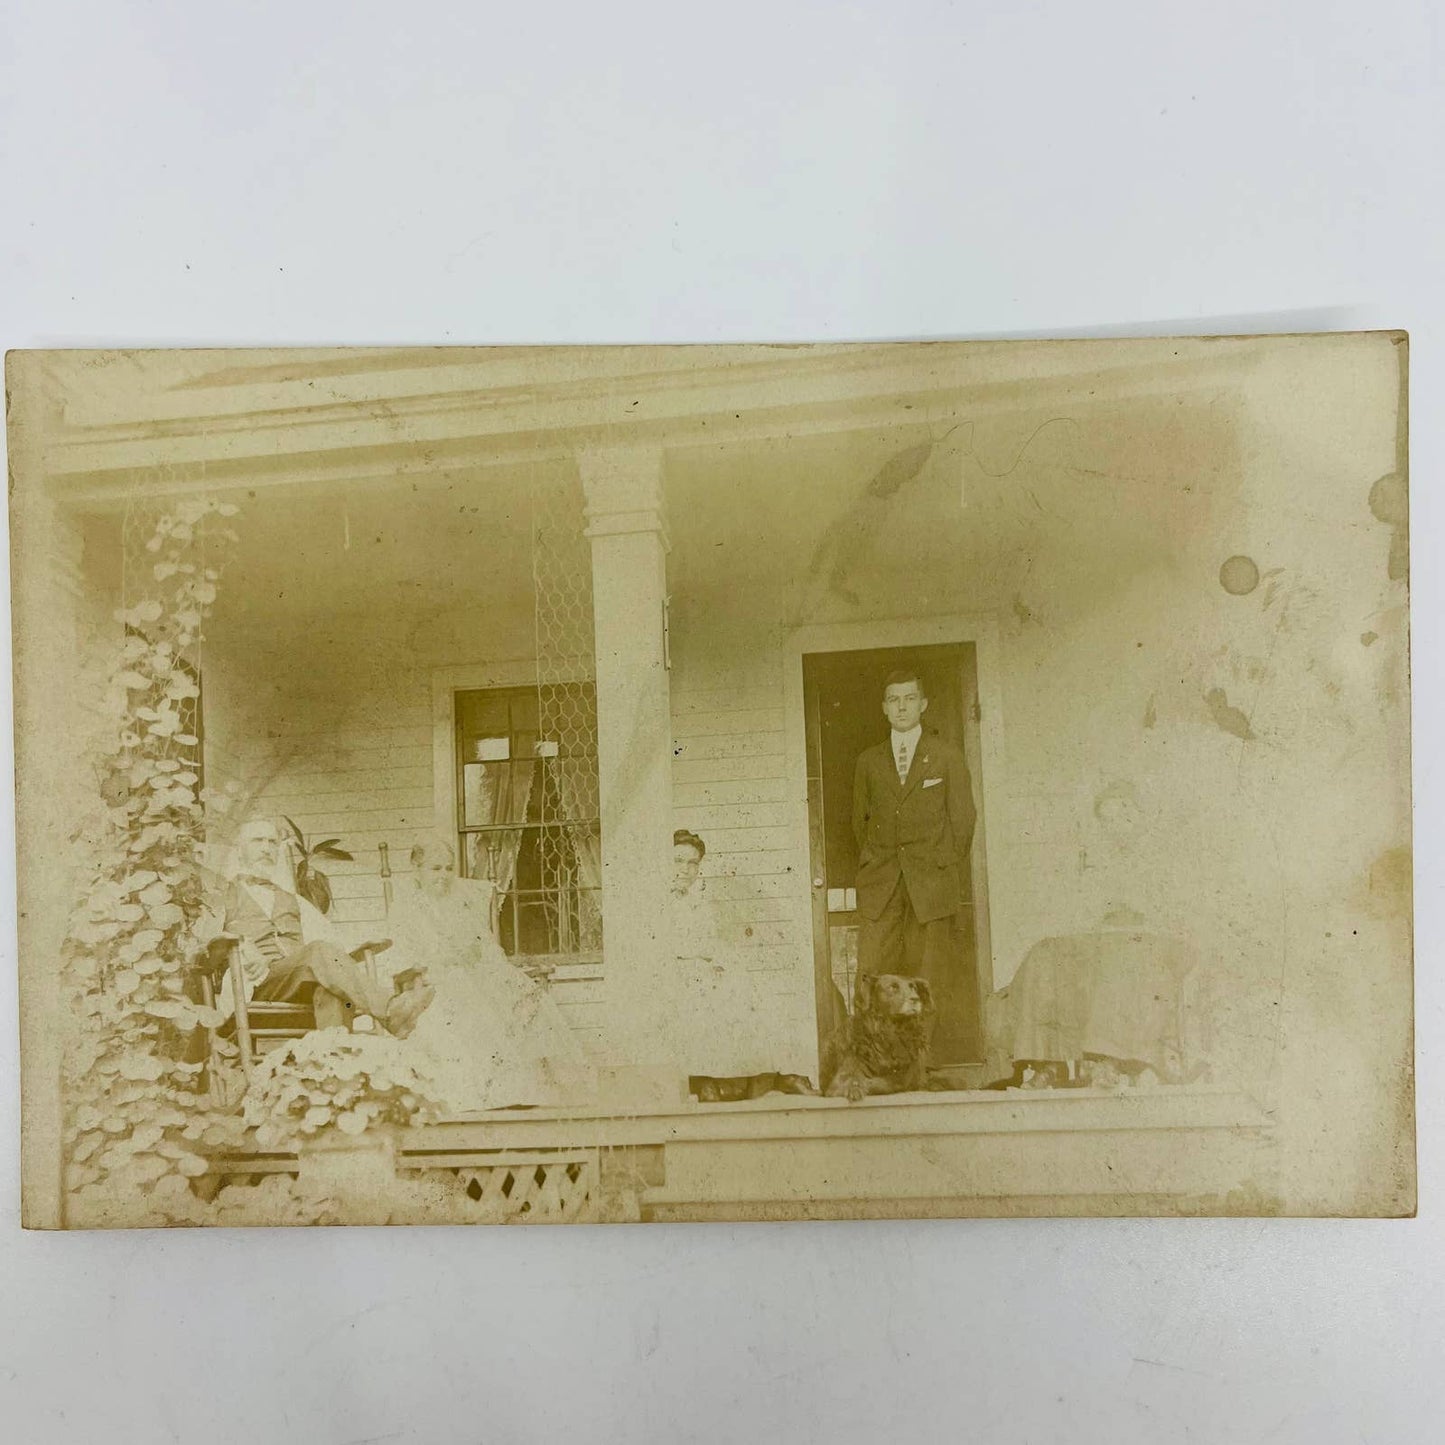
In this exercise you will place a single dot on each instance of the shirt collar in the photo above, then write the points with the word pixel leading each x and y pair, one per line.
pixel 910 737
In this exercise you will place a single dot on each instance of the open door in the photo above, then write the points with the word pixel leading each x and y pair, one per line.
pixel 843 697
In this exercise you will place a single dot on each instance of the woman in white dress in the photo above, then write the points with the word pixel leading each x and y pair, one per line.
pixel 491 1037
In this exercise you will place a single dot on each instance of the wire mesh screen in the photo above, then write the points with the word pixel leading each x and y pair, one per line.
pixel 528 812
pixel 570 839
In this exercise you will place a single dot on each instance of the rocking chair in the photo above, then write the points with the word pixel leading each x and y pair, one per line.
pixel 259 1025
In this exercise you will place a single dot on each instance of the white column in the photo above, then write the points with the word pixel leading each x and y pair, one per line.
pixel 625 521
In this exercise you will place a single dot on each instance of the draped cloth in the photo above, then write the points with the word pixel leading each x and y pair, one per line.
pixel 491 1037
pixel 1116 993
pixel 497 794
pixel 576 780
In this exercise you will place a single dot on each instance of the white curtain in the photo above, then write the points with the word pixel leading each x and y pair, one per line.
pixel 496 794
pixel 576 780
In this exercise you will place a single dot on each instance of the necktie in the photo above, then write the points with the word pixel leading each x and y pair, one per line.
pixel 902 761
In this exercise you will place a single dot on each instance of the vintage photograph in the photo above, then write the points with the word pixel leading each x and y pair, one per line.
pixel 615 784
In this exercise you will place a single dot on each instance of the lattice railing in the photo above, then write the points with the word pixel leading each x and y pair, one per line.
pixel 513 1187
pixel 525 1188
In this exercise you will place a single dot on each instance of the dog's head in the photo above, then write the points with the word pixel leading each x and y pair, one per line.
pixel 888 995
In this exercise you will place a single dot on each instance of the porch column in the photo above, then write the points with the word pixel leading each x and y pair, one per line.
pixel 625 521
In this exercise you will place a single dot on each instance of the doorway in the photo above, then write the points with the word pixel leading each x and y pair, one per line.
pixel 843 716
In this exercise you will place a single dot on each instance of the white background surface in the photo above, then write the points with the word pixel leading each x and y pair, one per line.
pixel 322 172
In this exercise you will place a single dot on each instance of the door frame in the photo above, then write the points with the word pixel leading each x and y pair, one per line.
pixel 981 630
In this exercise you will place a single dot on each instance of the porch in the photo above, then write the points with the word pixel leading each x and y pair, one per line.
pixel 1199 1149
pixel 656 597
pixel 672 542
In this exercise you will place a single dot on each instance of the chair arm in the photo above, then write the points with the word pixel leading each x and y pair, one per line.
pixel 215 957
pixel 377 945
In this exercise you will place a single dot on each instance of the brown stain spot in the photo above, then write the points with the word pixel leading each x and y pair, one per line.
pixel 1023 611
pixel 1390 883
pixel 1390 504
pixel 899 470
pixel 1366 638
pixel 1151 715
pixel 1239 576
pixel 847 541
pixel 1226 717
pixel 1382 894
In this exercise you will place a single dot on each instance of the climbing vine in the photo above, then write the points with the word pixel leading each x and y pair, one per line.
pixel 138 1117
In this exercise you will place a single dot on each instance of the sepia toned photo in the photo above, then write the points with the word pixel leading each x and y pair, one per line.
pixel 713 783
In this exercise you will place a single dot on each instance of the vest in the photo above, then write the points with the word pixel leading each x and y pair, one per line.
pixel 274 934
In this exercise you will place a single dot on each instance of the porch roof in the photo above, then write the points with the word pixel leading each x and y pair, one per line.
pixel 187 420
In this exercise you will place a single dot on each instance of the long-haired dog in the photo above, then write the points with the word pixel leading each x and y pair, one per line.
pixel 883 1048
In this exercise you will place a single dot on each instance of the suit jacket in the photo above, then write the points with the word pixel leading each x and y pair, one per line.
pixel 273 934
pixel 920 830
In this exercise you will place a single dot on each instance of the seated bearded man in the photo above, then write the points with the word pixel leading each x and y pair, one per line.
pixel 282 965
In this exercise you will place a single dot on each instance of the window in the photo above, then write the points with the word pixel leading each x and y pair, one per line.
pixel 527 815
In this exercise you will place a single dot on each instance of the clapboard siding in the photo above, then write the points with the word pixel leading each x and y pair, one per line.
pixel 357 885
pixel 771 862
pixel 720 700
pixel 356 802
pixel 366 861
pixel 787 909
pixel 724 724
pixel 342 742
pixel 727 791
pixel 358 910
pixel 740 839
pixel 309 782
pixel 769 933
pixel 698 665
pixel 303 761
pixel 731 786
pixel 339 821
pixel 733 886
pixel 691 769
pixel 740 815
pixel 784 959
pixel 729 745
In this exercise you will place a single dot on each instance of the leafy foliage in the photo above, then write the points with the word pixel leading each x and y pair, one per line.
pixel 276 1200
pixel 311 883
pixel 137 1124
pixel 331 1077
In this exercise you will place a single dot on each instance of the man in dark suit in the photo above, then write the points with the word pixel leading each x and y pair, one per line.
pixel 913 817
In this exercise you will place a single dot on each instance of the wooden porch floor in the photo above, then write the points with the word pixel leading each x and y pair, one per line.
pixel 1168 1150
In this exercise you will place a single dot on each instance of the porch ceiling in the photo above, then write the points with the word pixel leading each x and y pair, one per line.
pixel 912 507
pixel 928 509
pixel 380 548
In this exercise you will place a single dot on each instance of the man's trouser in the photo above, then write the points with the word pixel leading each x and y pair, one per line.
pixel 937 952
pixel 336 985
